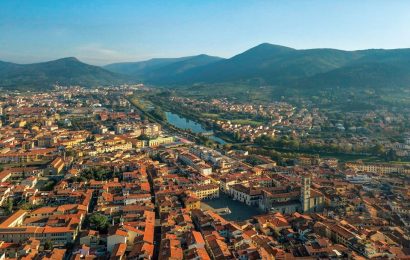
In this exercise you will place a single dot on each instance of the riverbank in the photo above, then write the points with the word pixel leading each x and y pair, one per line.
pixel 187 124
pixel 343 157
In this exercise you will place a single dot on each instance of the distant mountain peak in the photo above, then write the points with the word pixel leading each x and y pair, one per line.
pixel 203 55
pixel 271 45
pixel 268 47
pixel 72 59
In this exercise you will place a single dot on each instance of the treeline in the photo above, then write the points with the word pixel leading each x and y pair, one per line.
pixel 294 144
pixel 157 114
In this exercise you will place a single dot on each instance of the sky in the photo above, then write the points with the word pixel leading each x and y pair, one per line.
pixel 105 31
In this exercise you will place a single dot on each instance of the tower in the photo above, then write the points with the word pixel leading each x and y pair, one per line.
pixel 305 193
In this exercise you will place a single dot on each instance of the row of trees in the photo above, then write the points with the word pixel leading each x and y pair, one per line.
pixel 292 143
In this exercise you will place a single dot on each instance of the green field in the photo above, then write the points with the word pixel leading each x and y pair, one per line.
pixel 210 115
pixel 246 122
pixel 233 121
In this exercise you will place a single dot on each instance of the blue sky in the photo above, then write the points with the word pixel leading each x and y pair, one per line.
pixel 101 32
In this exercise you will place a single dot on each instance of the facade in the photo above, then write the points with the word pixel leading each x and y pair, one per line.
pixel 160 140
pixel 248 195
pixel 208 191
pixel 191 202
pixel 379 168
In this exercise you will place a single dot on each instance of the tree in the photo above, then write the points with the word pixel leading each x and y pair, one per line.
pixel 227 147
pixel 48 245
pixel 99 222
pixel 391 155
pixel 378 149
pixel 71 153
pixel 90 138
pixel 159 114
pixel 97 173
pixel 69 245
pixel 26 206
pixel 49 185
pixel 9 206
pixel 143 137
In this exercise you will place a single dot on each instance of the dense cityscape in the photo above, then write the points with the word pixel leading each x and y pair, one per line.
pixel 86 174
pixel 204 130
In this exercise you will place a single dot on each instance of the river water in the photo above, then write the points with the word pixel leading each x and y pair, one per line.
pixel 185 123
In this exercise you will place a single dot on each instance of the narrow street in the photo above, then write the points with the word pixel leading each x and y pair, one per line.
pixel 157 227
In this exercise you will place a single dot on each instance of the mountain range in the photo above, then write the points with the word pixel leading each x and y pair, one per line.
pixel 275 65
pixel 263 65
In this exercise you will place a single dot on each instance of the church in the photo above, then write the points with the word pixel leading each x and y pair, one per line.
pixel 287 200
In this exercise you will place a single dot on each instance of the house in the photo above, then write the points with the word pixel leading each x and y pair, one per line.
pixel 90 238
pixel 116 236
pixel 56 166
pixel 191 202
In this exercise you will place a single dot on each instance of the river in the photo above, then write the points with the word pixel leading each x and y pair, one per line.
pixel 185 123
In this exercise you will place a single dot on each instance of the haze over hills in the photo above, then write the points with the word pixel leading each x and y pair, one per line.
pixel 263 65
pixel 161 69
pixel 65 71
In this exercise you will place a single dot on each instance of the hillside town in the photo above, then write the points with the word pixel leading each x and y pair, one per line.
pixel 85 175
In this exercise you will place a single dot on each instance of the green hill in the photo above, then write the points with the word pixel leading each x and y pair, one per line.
pixel 66 71
pixel 275 65
pixel 375 69
pixel 268 64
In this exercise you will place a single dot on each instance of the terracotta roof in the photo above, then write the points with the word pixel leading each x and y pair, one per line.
pixel 118 251
pixel 119 232
pixel 198 237
pixel 6 223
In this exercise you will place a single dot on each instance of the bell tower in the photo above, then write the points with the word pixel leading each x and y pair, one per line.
pixel 305 193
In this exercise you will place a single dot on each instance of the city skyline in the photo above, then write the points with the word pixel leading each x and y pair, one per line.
pixel 103 32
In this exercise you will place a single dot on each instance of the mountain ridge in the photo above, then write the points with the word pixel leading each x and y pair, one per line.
pixel 263 65
pixel 276 65
pixel 64 71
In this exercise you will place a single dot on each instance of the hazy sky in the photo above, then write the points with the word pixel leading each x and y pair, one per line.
pixel 101 32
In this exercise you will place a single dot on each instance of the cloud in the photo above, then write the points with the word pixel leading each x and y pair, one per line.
pixel 98 54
